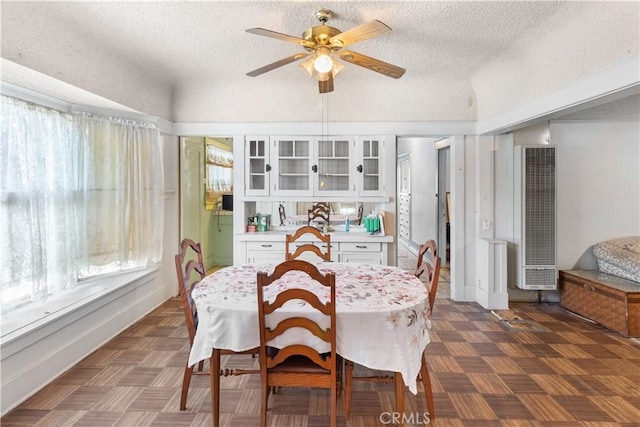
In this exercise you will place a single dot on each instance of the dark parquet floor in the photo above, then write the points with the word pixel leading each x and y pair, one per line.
pixel 571 373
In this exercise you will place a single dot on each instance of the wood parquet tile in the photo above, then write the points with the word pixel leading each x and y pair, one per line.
pixel 576 374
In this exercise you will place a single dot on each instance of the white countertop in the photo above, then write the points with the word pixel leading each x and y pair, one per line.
pixel 336 236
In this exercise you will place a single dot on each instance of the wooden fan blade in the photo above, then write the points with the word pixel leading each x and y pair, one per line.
pixel 359 33
pixel 280 36
pixel 326 86
pixel 277 64
pixel 373 64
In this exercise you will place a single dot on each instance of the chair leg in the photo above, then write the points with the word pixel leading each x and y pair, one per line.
pixel 340 373
pixel 214 375
pixel 201 366
pixel 264 403
pixel 428 391
pixel 348 373
pixel 334 404
pixel 399 396
pixel 186 380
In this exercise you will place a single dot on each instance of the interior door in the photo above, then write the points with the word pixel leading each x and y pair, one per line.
pixel 191 193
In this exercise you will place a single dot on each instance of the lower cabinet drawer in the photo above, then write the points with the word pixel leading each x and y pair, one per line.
pixel 266 246
pixel 335 247
pixel 361 257
pixel 360 247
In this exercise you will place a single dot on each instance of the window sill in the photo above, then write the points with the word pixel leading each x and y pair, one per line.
pixel 33 316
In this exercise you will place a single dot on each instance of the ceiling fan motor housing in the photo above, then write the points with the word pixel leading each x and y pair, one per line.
pixel 320 35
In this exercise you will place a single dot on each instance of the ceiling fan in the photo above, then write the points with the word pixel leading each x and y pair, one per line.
pixel 324 45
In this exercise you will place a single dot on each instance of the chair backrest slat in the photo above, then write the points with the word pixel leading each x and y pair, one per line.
pixel 429 263
pixel 308 247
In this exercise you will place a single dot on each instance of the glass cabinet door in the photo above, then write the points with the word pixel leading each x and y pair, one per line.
pixel 293 165
pixel 370 168
pixel 332 174
pixel 257 166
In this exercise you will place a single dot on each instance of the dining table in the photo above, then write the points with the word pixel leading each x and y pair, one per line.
pixel 382 314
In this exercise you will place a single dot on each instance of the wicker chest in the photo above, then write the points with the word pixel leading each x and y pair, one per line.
pixel 609 300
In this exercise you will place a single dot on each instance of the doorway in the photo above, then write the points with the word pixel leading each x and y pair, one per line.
pixel 444 203
pixel 417 172
pixel 206 177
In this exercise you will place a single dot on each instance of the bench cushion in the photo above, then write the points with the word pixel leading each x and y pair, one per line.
pixel 619 257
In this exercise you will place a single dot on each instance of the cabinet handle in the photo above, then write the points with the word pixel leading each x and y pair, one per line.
pixel 359 168
pixel 314 168
pixel 267 167
pixel 589 287
pixel 361 246
pixel 266 246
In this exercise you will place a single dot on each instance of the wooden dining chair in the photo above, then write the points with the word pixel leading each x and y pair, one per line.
pixel 295 250
pixel 297 364
pixel 360 213
pixel 428 262
pixel 190 272
pixel 319 212
pixel 431 265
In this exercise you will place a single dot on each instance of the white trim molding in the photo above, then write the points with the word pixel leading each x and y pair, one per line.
pixel 605 85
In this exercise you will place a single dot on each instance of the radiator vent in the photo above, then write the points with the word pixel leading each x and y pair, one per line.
pixel 535 173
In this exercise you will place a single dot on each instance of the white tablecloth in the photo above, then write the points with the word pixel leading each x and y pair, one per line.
pixel 382 314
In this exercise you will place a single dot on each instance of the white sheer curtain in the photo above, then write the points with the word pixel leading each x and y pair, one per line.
pixel 123 187
pixel 38 197
pixel 80 195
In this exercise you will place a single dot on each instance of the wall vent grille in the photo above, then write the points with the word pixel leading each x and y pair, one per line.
pixel 538 211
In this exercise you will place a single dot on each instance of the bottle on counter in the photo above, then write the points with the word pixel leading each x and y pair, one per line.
pixel 347 224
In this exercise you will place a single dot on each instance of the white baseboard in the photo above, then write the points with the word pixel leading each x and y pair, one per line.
pixel 33 360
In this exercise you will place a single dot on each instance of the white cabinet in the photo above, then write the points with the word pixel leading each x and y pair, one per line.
pixel 292 161
pixel 369 167
pixel 404 215
pixel 257 166
pixel 305 166
pixel 273 249
pixel 332 166
pixel 266 251
pixel 370 253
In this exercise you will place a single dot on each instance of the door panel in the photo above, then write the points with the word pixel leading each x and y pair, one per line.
pixel 191 194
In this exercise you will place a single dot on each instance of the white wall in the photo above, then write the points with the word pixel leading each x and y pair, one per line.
pixel 470 217
pixel 503 199
pixel 598 170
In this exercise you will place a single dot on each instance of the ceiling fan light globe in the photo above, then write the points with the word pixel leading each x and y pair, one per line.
pixel 337 67
pixel 308 66
pixel 323 63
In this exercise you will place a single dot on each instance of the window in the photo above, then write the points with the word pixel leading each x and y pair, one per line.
pixel 80 195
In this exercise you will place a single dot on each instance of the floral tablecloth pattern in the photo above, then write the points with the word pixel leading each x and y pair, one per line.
pixel 382 314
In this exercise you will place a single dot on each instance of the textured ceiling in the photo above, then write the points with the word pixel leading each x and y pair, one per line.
pixel 181 60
